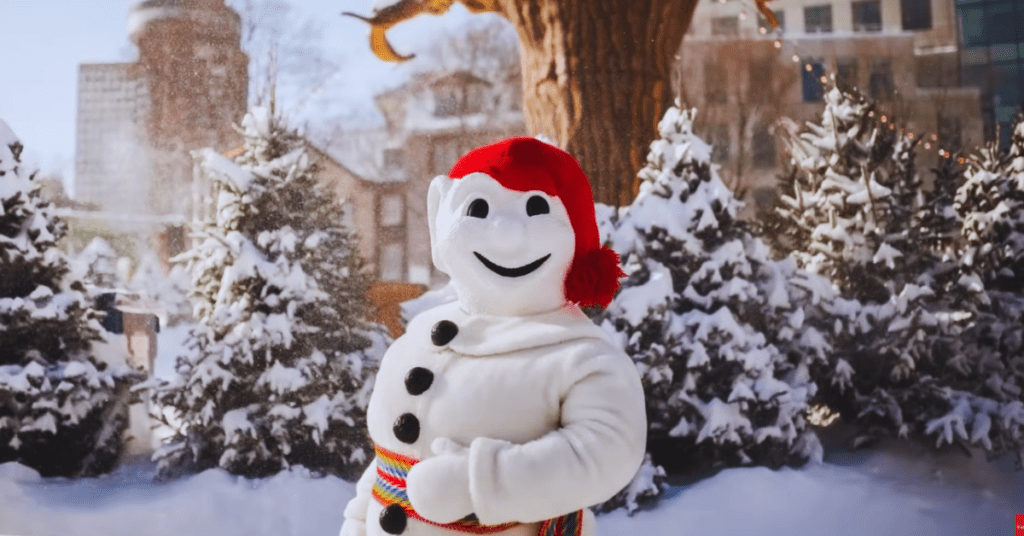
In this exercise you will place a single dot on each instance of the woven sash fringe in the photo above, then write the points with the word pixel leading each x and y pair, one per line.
pixel 567 525
pixel 389 489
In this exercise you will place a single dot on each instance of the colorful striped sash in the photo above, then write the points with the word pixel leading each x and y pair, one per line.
pixel 389 489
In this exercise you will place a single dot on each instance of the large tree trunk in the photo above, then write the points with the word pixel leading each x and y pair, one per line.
pixel 596 79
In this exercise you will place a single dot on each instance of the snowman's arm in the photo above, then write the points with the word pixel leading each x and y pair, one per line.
pixel 592 456
pixel 355 511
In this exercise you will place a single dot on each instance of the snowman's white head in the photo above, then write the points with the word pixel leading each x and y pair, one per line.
pixel 514 227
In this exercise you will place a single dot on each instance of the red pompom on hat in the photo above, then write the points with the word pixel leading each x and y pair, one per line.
pixel 523 164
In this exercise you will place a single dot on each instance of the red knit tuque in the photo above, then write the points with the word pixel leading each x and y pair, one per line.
pixel 523 164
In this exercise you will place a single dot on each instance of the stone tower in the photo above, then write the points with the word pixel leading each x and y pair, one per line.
pixel 191 59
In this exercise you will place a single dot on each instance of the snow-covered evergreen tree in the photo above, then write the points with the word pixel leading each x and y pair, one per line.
pixel 990 400
pixel 991 203
pixel 278 367
pixel 62 411
pixel 853 194
pixel 939 221
pixel 98 262
pixel 907 355
pixel 717 329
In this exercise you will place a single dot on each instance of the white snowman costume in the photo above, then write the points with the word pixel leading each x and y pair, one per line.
pixel 509 405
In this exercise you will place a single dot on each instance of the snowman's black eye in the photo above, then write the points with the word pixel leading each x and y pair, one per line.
pixel 537 205
pixel 477 209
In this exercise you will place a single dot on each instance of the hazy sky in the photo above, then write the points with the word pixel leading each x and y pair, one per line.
pixel 42 42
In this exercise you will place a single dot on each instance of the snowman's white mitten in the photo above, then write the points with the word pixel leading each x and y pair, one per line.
pixel 438 487
pixel 444 445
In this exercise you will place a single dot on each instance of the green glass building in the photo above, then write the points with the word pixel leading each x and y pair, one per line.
pixel 992 58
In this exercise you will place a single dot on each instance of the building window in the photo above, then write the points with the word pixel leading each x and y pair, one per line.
pixel 972 27
pixel 715 82
pixel 438 159
pixel 1001 25
pixel 880 82
pixel 473 99
pixel 763 147
pixel 445 154
pixel 452 101
pixel 720 144
pixel 392 210
pixel 1005 128
pixel 446 103
pixel 391 260
pixel 847 75
pixel 812 71
pixel 392 159
pixel 867 16
pixel 725 26
pixel 917 14
pixel 780 15
pixel 818 19
pixel 1007 78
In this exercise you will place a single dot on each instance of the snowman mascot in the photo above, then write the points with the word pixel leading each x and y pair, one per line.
pixel 508 411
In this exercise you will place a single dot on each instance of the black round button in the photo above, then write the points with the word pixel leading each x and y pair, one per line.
pixel 407 428
pixel 393 519
pixel 418 380
pixel 443 332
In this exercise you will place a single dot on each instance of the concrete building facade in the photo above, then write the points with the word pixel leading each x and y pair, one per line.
pixel 745 78
pixel 138 122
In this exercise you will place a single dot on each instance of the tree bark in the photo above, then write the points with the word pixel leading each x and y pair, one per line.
pixel 596 79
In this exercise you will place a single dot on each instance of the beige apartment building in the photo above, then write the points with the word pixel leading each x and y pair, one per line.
pixel 748 81
pixel 430 122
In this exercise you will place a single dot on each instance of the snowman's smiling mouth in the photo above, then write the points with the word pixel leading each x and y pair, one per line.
pixel 512 272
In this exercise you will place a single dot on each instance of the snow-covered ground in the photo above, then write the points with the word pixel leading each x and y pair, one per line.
pixel 128 502
pixel 897 489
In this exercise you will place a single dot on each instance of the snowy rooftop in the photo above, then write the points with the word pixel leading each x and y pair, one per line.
pixel 151 10
pixel 362 152
pixel 413 106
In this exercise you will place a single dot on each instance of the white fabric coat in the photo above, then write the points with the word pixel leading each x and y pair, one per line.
pixel 552 413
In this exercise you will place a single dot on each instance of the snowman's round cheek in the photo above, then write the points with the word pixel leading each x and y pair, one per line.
pixel 550 229
pixel 467 235
pixel 458 246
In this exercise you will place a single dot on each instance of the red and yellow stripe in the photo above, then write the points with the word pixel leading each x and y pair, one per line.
pixel 392 469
